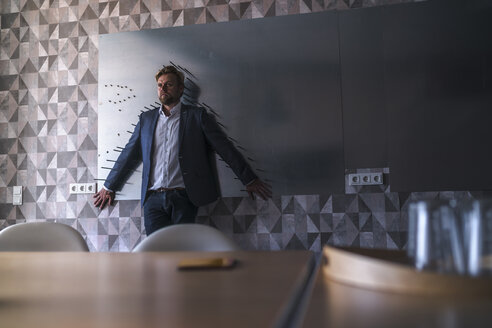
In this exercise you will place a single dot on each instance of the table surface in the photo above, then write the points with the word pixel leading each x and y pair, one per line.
pixel 333 304
pixel 146 289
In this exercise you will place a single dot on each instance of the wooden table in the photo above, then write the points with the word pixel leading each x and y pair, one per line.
pixel 146 290
pixel 337 305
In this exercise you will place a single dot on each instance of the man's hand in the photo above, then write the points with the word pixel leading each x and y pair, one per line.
pixel 264 190
pixel 103 197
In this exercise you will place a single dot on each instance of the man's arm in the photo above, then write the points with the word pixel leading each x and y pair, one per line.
pixel 127 161
pixel 224 147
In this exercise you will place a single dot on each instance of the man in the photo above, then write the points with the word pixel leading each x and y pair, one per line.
pixel 175 142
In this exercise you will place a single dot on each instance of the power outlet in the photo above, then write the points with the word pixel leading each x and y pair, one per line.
pixel 82 188
pixel 365 179
pixel 90 188
pixel 73 188
pixel 377 178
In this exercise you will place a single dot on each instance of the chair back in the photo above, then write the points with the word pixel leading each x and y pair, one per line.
pixel 41 237
pixel 187 237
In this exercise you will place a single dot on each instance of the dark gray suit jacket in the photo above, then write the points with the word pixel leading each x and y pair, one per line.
pixel 199 137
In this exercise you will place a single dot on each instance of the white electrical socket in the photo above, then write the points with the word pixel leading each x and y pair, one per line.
pixel 354 179
pixel 73 188
pixel 90 187
pixel 81 188
pixel 377 178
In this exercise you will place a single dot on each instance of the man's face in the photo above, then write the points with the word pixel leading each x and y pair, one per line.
pixel 168 89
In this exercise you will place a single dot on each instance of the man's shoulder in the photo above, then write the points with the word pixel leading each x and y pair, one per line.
pixel 148 114
pixel 192 109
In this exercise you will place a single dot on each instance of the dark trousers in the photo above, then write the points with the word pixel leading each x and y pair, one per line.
pixel 162 209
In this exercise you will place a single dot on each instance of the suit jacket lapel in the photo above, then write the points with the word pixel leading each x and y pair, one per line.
pixel 182 124
pixel 153 124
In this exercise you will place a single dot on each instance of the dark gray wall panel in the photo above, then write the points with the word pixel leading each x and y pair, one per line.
pixel 438 93
pixel 362 71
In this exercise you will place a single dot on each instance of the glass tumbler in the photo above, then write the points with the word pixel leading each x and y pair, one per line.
pixel 434 239
pixel 476 225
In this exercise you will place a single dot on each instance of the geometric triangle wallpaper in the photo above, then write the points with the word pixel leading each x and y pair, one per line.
pixel 49 118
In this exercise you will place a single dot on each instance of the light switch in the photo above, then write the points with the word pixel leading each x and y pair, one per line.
pixel 17 195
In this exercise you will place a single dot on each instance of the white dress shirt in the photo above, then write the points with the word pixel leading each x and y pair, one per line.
pixel 165 171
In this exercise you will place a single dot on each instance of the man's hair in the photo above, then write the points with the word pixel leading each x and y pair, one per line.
pixel 171 70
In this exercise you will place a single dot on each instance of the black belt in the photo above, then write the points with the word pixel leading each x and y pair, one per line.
pixel 166 189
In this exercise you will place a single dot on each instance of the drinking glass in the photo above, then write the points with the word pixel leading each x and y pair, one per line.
pixel 476 216
pixel 435 241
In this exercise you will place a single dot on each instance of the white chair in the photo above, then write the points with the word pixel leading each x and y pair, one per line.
pixel 41 237
pixel 187 237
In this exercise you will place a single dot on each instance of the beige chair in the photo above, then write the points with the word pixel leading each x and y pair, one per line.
pixel 187 237
pixel 41 237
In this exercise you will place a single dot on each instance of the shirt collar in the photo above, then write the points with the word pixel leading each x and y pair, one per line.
pixel 175 110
